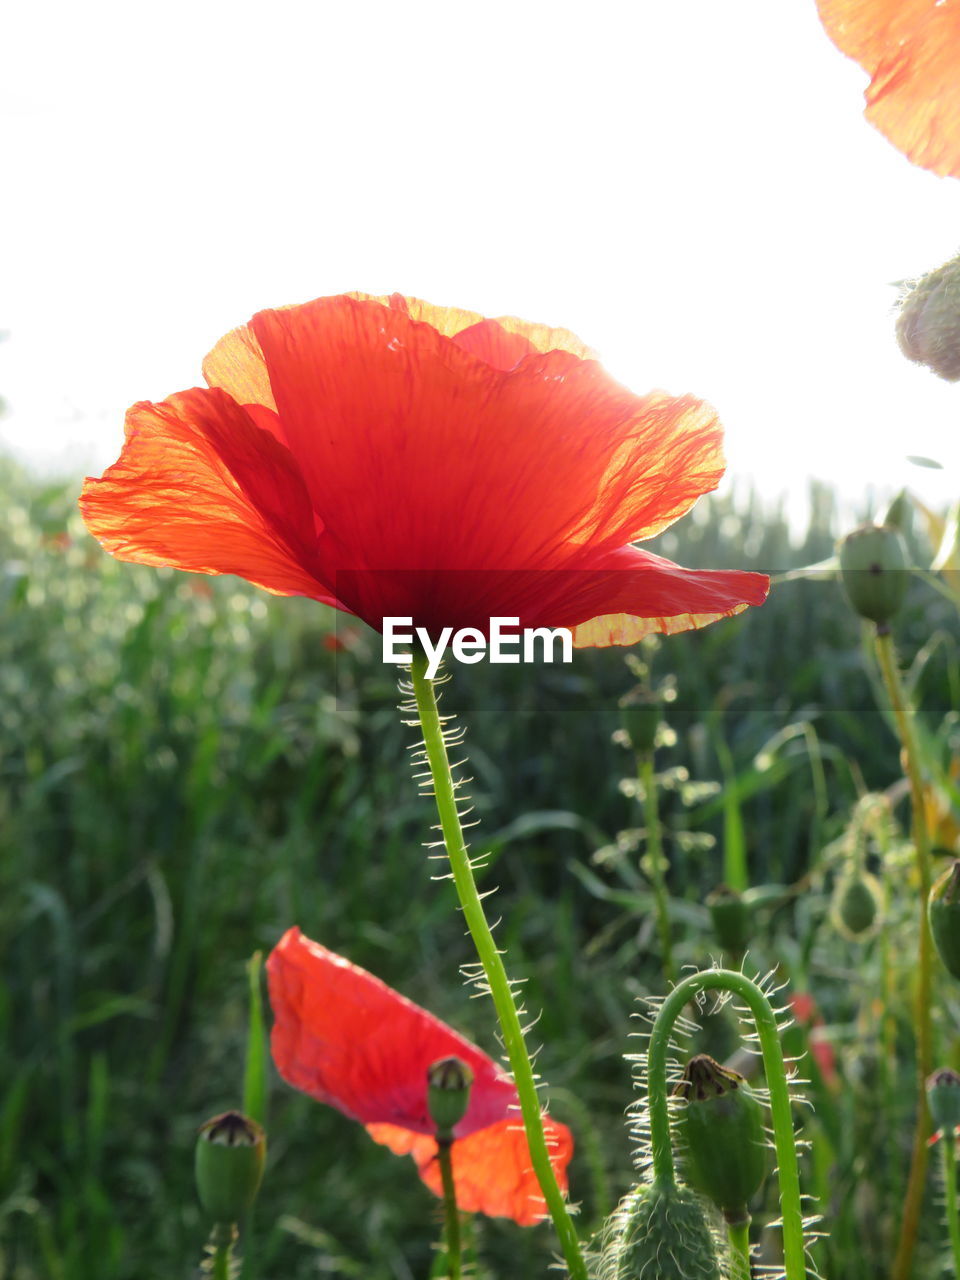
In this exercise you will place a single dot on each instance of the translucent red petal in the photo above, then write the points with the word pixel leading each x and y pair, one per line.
pixel 434 461
pixel 347 1039
pixel 911 50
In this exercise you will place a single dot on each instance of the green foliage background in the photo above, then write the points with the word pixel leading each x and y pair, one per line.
pixel 189 766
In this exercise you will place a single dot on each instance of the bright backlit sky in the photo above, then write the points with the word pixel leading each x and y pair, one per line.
pixel 690 186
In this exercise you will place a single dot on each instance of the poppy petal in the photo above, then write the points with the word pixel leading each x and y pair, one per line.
pixel 642 593
pixel 586 463
pixel 435 461
pixel 199 486
pixel 492 1173
pixel 347 1039
pixel 910 50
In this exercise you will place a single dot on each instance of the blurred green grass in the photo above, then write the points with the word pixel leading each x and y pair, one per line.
pixel 188 766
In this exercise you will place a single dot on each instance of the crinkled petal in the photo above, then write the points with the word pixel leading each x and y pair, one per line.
pixel 419 455
pixel 492 1173
pixel 347 1039
pixel 642 593
pixel 616 598
pixel 911 50
pixel 199 486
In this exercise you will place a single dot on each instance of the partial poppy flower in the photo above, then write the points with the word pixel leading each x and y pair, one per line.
pixel 805 1011
pixel 347 1039
pixel 911 51
pixel 395 459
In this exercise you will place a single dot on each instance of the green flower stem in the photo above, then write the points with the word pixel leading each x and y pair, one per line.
pixel 655 858
pixel 923 1013
pixel 493 967
pixel 220 1248
pixel 791 1208
pixel 738 1233
pixel 450 1208
pixel 948 1146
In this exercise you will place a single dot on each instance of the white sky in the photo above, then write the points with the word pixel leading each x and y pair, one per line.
pixel 690 186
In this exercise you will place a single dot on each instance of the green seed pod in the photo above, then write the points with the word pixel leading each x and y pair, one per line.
pixel 640 718
pixel 731 917
pixel 228 1163
pixel 943 912
pixel 928 325
pixel 873 567
pixel 663 1235
pixel 943 1095
pixel 448 1093
pixel 722 1131
pixel 857 901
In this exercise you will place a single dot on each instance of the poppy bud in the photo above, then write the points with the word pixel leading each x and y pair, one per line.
pixel 722 1129
pixel 664 1235
pixel 731 918
pixel 640 718
pixel 928 326
pixel 873 563
pixel 943 912
pixel 856 903
pixel 448 1093
pixel 229 1165
pixel 943 1095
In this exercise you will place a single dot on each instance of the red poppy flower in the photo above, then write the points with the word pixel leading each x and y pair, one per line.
pixel 805 1010
pixel 911 50
pixel 347 1039
pixel 395 459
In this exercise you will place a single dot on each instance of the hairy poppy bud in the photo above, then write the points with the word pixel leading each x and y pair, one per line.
pixel 731 918
pixel 722 1129
pixel 873 566
pixel 943 1095
pixel 663 1233
pixel 856 903
pixel 448 1093
pixel 640 718
pixel 928 326
pixel 943 911
pixel 229 1165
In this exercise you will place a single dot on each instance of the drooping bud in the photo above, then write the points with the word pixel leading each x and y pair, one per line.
pixel 228 1163
pixel 943 912
pixel 943 1095
pixel 448 1093
pixel 856 905
pixel 873 566
pixel 722 1129
pixel 662 1232
pixel 731 917
pixel 640 717
pixel 928 325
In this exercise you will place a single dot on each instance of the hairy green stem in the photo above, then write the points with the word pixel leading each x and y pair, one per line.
pixel 923 1013
pixel 655 858
pixel 492 962
pixel 450 1209
pixel 949 1156
pixel 765 1020
pixel 220 1247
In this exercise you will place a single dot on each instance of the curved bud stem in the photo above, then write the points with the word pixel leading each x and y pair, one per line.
pixel 776 1079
